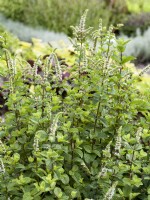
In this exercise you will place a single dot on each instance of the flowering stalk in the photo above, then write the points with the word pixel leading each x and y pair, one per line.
pixel 80 33
pixel 86 169
pixel 96 35
pixel 103 172
pixel 57 65
pixel 11 69
pixel 54 126
pixel 36 144
pixel 3 147
pixel 106 151
pixel 109 195
pixel 2 167
pixel 138 134
pixel 118 142
pixel 146 69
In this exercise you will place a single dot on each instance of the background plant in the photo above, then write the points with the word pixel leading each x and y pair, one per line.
pixel 27 33
pixel 87 132
pixel 139 46
pixel 138 6
pixel 57 15
pixel 136 22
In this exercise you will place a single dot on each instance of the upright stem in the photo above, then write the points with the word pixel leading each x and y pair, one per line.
pixel 107 57
pixel 5 187
pixel 131 163
pixel 97 114
pixel 72 151
pixel 80 57
pixel 95 123
pixel 72 147
pixel 43 96
pixel 17 117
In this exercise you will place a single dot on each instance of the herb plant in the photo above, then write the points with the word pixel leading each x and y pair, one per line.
pixel 84 135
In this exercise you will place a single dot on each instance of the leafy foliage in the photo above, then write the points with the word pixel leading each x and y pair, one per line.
pixel 57 15
pixel 138 6
pixel 95 138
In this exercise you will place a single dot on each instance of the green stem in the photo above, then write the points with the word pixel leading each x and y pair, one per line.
pixel 72 151
pixel 95 123
pixel 131 163
pixel 17 117
pixel 97 114
pixel 43 97
pixel 5 188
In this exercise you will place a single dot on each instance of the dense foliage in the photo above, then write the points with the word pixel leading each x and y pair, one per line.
pixel 138 6
pixel 57 15
pixel 79 132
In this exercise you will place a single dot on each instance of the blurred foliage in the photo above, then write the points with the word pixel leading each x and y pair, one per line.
pixel 139 47
pixel 57 14
pixel 137 6
pixel 134 21
pixel 12 41
pixel 139 17
pixel 31 51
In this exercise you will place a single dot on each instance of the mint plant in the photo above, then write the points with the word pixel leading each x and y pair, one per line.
pixel 92 143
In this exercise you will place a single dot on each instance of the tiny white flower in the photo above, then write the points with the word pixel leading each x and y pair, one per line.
pixel 103 172
pixel 118 145
pixel 2 167
pixel 109 195
pixel 106 151
pixel 139 134
pixel 118 142
pixel 3 147
pixel 54 125
pixel 36 144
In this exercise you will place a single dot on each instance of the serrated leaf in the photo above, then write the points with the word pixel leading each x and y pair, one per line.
pixel 88 148
pixel 127 59
pixel 127 190
pixel 65 179
pixel 27 196
pixel 58 192
pixel 79 152
pixel 41 135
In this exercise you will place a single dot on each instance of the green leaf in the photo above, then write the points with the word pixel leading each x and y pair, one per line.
pixel 42 186
pixel 127 181
pixel 89 157
pixel 27 196
pixel 73 194
pixel 88 148
pixel 137 181
pixel 98 153
pixel 79 152
pixel 127 190
pixel 143 154
pixel 127 59
pixel 58 192
pixel 41 135
pixel 133 195
pixel 65 179
pixel 16 157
